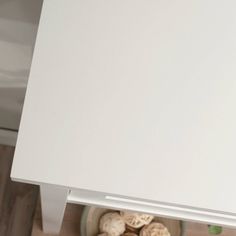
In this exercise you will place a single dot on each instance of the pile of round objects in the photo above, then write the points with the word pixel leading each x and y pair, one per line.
pixel 126 223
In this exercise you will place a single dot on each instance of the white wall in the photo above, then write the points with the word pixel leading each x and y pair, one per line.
pixel 18 29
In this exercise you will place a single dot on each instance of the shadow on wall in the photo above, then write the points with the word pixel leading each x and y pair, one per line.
pixel 21 10
pixel 18 28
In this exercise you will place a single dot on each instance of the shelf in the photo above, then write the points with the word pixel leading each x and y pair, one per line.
pixel 159 209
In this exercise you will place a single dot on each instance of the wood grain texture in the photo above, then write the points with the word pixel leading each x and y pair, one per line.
pixel 70 225
pixel 17 200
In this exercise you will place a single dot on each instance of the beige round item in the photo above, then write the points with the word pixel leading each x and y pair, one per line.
pixel 89 224
pixel 136 220
pixel 112 224
pixel 154 229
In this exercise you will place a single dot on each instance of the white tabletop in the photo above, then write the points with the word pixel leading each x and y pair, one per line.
pixel 136 98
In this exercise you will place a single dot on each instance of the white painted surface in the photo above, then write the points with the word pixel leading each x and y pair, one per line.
pixel 160 209
pixel 135 98
pixel 53 204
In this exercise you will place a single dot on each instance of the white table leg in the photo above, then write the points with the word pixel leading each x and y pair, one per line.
pixel 53 204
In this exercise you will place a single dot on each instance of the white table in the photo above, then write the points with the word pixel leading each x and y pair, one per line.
pixel 131 105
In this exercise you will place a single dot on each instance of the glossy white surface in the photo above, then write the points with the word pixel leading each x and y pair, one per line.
pixel 135 98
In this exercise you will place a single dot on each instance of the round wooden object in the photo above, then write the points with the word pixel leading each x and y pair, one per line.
pixel 91 216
